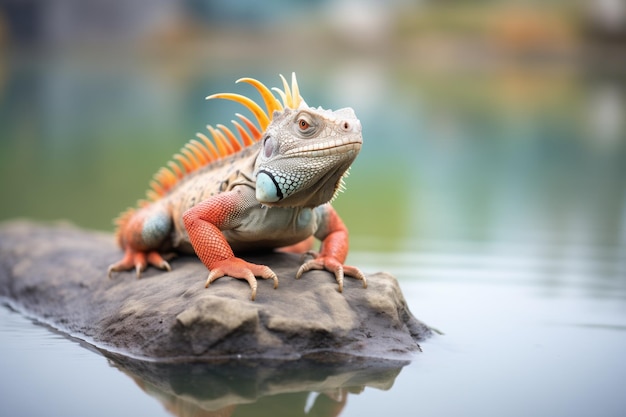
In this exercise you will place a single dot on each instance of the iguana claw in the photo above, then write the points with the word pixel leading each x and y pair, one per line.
pixel 332 265
pixel 139 261
pixel 240 269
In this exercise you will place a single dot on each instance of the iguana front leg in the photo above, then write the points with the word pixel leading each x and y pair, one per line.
pixel 334 250
pixel 204 223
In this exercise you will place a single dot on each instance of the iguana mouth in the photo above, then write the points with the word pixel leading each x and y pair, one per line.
pixel 334 147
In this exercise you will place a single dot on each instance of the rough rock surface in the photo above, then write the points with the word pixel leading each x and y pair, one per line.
pixel 57 274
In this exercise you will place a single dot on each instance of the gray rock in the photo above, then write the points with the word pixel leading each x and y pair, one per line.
pixel 58 274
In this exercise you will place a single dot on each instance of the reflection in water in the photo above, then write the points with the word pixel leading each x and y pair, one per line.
pixel 308 387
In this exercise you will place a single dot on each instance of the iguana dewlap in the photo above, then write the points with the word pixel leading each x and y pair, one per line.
pixel 268 188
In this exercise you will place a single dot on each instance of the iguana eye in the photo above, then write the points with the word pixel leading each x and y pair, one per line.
pixel 303 124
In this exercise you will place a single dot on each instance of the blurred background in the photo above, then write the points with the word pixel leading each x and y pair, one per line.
pixel 492 179
pixel 482 119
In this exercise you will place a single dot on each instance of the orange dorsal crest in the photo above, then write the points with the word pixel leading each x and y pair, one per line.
pixel 220 141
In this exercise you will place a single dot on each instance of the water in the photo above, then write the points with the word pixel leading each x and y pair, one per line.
pixel 515 343
pixel 496 194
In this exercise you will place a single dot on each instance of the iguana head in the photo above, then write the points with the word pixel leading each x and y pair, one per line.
pixel 304 152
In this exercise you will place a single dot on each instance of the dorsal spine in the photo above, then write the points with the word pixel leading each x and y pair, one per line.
pixel 223 142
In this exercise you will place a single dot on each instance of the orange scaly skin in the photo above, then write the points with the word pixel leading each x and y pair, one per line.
pixel 268 189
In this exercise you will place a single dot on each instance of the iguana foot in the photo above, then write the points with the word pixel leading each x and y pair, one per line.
pixel 139 261
pixel 332 265
pixel 240 269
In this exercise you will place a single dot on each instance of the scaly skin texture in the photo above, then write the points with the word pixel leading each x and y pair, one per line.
pixel 270 192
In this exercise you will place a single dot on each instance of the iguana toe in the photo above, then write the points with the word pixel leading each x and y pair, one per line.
pixel 138 261
pixel 332 265
pixel 155 259
pixel 356 273
pixel 240 269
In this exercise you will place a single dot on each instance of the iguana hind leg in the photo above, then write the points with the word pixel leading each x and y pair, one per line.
pixel 141 234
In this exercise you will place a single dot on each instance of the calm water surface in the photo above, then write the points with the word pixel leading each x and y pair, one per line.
pixel 498 199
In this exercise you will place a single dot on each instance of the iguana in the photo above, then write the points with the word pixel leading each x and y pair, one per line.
pixel 266 187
